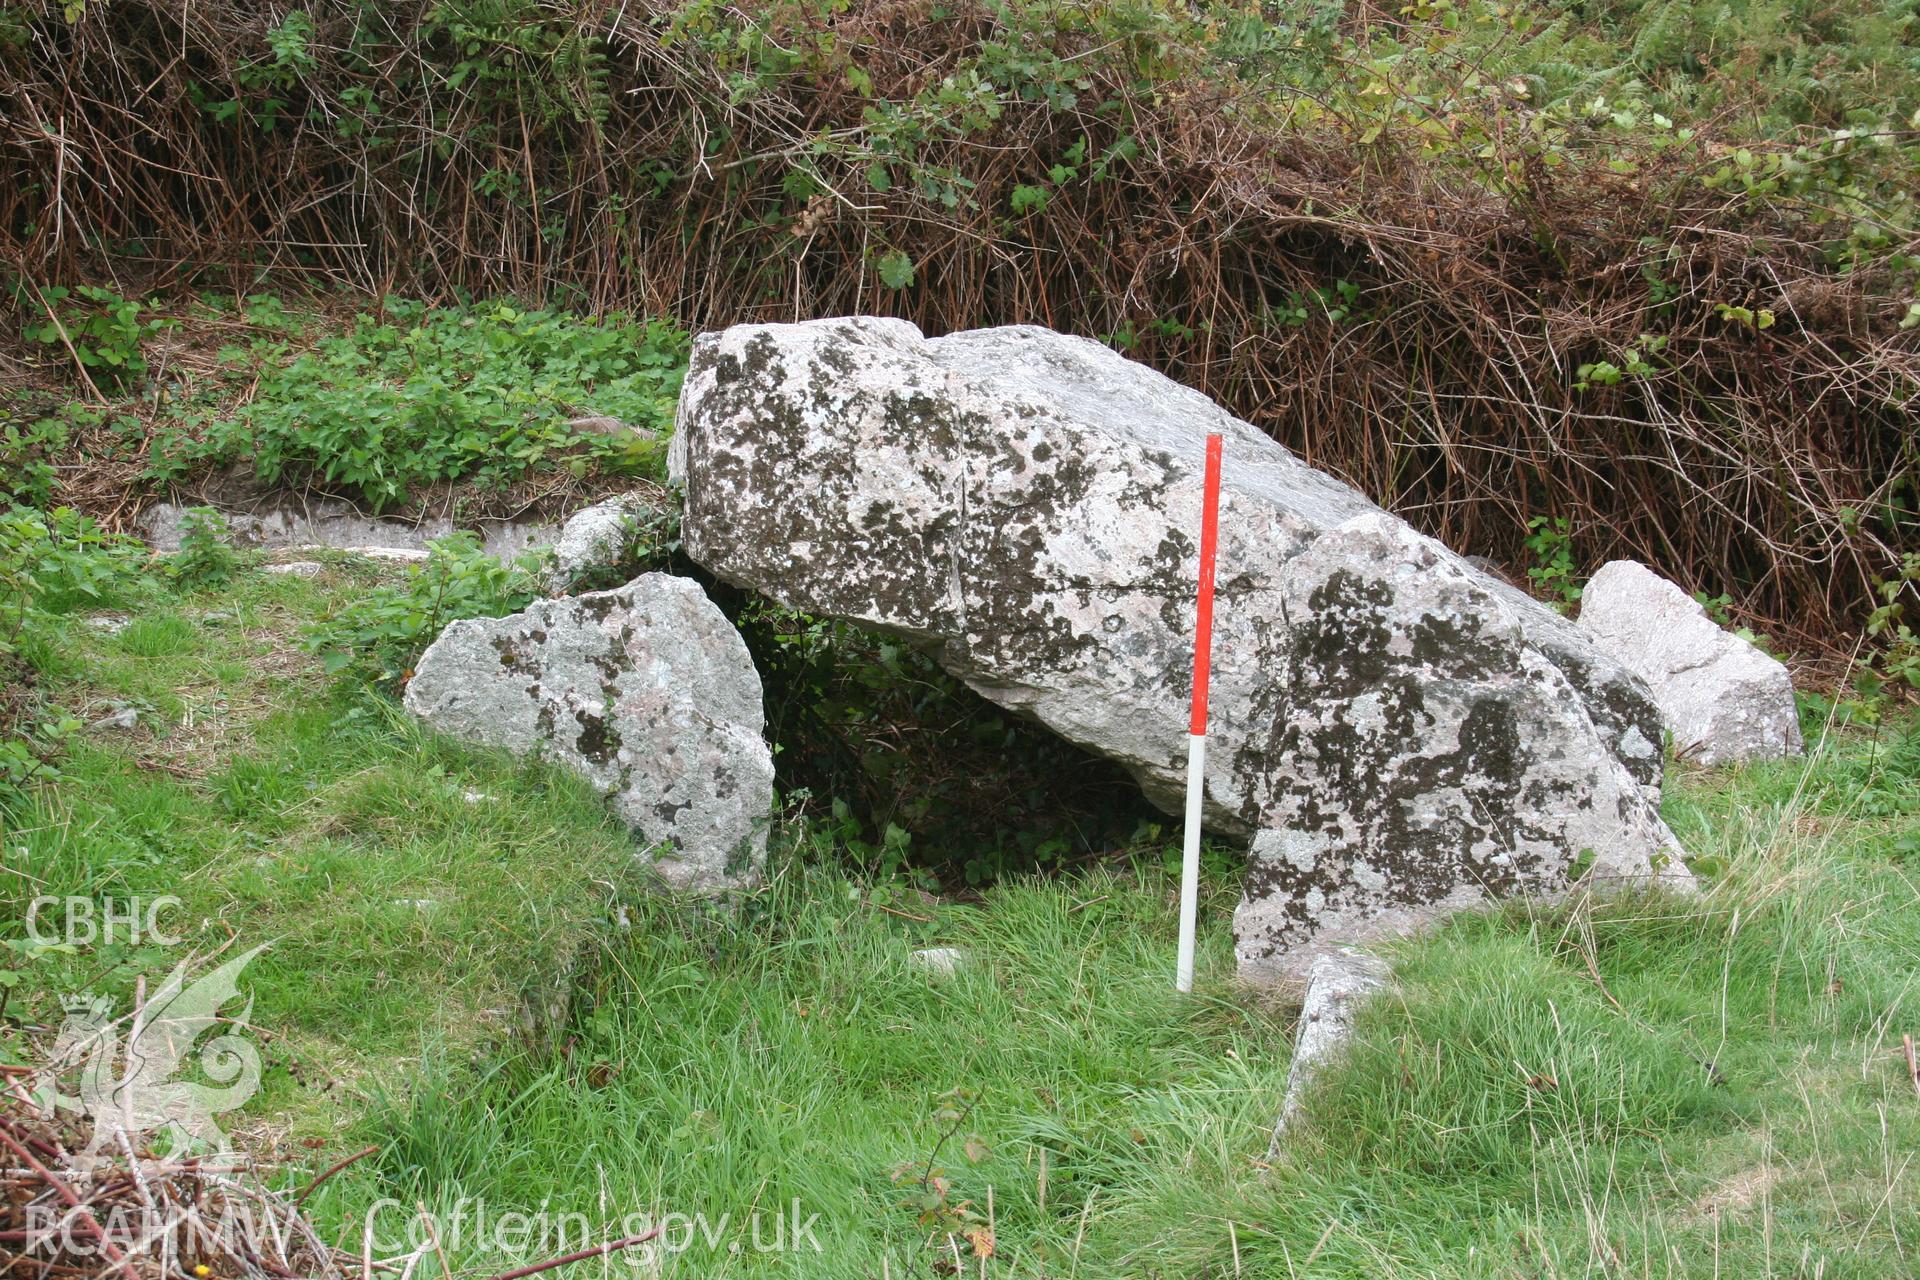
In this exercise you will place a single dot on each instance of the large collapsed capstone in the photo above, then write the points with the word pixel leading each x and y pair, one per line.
pixel 648 692
pixel 1397 732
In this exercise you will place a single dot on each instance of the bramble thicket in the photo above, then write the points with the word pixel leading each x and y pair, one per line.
pixel 1646 269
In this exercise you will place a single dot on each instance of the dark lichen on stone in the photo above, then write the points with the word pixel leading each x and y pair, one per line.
pixel 598 741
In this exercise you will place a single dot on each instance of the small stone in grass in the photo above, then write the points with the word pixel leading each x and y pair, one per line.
pixel 1340 982
pixel 298 569
pixel 405 555
pixel 940 962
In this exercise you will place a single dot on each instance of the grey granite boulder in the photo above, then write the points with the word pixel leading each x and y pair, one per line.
pixel 647 692
pixel 1721 698
pixel 1398 733
pixel 1421 752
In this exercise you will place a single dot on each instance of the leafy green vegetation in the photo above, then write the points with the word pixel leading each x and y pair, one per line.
pixel 1490 90
pixel 100 330
pixel 1766 64
pixel 206 557
pixel 416 396
pixel 1553 572
pixel 382 633
pixel 1898 664
pixel 26 449
pixel 1674 238
pixel 51 563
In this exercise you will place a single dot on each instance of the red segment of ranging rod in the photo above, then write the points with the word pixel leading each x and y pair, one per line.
pixel 1203 627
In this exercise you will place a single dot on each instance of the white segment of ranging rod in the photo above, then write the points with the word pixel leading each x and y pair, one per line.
pixel 1190 860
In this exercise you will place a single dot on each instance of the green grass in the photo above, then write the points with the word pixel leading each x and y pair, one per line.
pixel 413 893
pixel 1688 1087
pixel 1709 1086
pixel 800 1056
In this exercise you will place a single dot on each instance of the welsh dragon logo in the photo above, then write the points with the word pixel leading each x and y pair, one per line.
pixel 133 1094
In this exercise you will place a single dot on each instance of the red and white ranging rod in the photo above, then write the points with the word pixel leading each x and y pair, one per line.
pixel 1197 726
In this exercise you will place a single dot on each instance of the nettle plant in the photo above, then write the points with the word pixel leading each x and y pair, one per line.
pixel 1898 665
pixel 1638 360
pixel 51 562
pixel 485 394
pixel 1554 574
pixel 206 557
pixel 98 327
pixel 379 636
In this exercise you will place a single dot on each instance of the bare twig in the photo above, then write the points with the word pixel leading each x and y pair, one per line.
pixel 332 1169
pixel 598 1251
